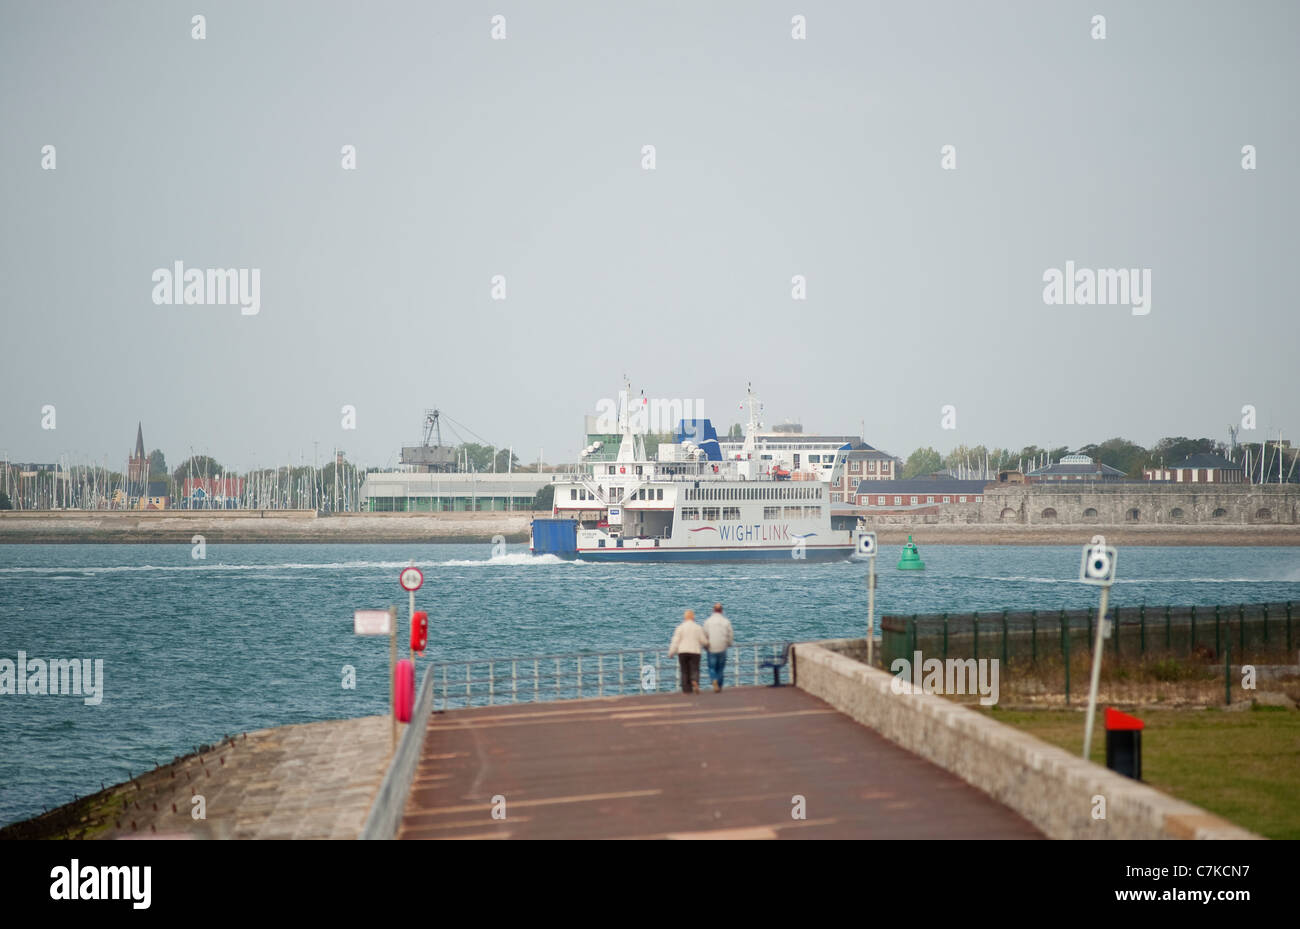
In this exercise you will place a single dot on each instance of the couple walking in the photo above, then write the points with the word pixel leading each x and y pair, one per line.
pixel 689 638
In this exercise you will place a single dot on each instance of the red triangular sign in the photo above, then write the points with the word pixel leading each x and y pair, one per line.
pixel 1117 720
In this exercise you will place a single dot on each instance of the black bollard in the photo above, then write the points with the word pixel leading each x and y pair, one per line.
pixel 1124 744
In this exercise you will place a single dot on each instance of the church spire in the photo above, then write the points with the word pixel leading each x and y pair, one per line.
pixel 139 440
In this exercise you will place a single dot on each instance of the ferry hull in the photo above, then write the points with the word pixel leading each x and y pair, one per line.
pixel 711 556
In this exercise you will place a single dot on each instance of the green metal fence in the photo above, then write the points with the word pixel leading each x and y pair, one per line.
pixel 1198 636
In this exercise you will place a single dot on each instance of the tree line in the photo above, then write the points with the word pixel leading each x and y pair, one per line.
pixel 1121 454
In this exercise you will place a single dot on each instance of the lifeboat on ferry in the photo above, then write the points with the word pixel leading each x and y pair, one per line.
pixel 781 474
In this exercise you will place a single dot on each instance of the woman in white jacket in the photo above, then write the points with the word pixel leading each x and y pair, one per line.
pixel 689 639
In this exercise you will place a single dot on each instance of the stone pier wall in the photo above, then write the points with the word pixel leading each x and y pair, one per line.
pixel 1054 790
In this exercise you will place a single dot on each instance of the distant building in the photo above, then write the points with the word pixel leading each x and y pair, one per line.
pixel 1199 469
pixel 920 494
pixel 212 493
pixel 871 464
pixel 809 456
pixel 795 451
pixel 141 493
pixel 863 463
pixel 156 496
pixel 413 492
pixel 137 471
pixel 1074 468
pixel 430 455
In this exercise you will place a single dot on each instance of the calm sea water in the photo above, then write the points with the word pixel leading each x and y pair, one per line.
pixel 257 635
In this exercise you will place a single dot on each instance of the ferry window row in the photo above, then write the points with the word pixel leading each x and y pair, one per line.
pixel 754 493
pixel 645 493
pixel 711 513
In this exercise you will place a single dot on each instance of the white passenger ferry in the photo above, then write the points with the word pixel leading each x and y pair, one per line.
pixel 690 504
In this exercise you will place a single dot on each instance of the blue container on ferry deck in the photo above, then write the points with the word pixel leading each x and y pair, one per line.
pixel 555 536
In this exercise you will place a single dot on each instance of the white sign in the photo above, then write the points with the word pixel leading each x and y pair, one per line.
pixel 866 543
pixel 615 516
pixel 1099 561
pixel 371 622
pixel 412 578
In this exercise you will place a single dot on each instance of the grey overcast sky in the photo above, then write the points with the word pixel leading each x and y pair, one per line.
pixel 522 157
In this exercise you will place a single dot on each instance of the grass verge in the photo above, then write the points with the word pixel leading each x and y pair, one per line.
pixel 1243 765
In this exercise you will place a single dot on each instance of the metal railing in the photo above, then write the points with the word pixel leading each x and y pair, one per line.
pixel 627 672
pixel 385 816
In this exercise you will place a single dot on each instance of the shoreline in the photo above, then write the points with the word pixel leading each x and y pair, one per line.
pixel 251 788
pixel 229 527
pixel 72 527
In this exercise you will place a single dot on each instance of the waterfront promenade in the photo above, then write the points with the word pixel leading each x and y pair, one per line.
pixel 748 763
pixel 838 752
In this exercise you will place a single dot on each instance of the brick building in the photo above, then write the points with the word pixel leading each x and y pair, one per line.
pixel 919 495
pixel 1074 468
pixel 1199 469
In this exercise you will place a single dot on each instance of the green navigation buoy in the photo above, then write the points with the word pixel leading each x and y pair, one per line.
pixel 911 559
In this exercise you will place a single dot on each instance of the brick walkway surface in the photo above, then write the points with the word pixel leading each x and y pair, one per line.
pixel 727 765
pixel 309 781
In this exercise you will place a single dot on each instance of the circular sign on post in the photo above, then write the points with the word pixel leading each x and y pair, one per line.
pixel 411 578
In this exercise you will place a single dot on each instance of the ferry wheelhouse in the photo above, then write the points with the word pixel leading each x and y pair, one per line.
pixel 691 504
